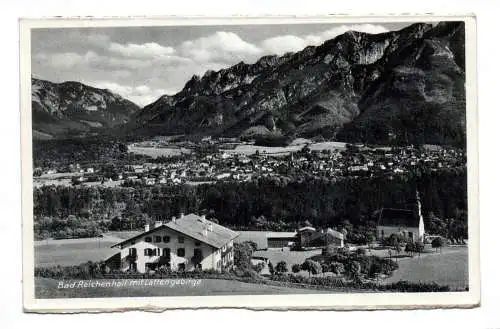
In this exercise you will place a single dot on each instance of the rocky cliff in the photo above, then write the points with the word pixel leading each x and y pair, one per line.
pixel 403 86
pixel 71 109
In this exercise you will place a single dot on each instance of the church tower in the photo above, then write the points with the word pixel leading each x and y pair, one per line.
pixel 418 213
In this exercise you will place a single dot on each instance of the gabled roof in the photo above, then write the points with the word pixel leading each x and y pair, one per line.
pixel 307 228
pixel 193 226
pixel 335 234
pixel 397 217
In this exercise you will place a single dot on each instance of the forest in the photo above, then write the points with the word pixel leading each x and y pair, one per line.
pixel 261 204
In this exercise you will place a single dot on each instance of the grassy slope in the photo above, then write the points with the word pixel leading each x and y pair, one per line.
pixel 47 288
pixel 449 268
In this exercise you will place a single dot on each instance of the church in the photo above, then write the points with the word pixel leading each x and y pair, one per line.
pixel 407 222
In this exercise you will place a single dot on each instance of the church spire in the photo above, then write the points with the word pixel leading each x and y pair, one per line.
pixel 421 229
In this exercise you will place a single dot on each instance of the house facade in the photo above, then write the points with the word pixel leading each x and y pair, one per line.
pixel 185 243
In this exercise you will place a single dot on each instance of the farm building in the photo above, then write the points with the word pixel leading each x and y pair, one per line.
pixel 310 237
pixel 281 239
pixel 185 243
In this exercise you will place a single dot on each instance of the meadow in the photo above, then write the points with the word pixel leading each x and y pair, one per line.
pixel 448 267
pixel 48 288
pixel 76 251
pixel 156 152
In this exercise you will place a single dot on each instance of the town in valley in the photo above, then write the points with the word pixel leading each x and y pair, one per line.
pixel 334 167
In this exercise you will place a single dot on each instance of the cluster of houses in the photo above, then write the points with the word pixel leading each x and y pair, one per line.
pixel 192 242
pixel 226 165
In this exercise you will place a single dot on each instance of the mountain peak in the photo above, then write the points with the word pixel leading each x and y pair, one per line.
pixel 354 87
pixel 71 108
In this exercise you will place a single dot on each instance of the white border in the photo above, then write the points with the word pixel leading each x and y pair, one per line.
pixel 341 301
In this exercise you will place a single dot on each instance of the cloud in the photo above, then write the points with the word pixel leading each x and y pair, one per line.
pixel 144 70
pixel 283 44
pixel 220 46
pixel 145 50
pixel 141 94
pixel 290 43
pixel 67 60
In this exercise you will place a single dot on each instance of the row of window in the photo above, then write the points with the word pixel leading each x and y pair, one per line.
pixel 166 239
pixel 181 252
pixel 180 267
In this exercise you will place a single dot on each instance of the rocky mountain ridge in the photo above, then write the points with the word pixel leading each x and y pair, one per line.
pixel 69 109
pixel 405 86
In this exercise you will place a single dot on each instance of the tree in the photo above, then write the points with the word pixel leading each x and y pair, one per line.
pixel 438 242
pixel 337 268
pixel 370 238
pixel 353 269
pixel 296 268
pixel 271 268
pixel 281 267
pixel 252 244
pixel 419 247
pixel 311 267
pixel 258 267
pixel 410 248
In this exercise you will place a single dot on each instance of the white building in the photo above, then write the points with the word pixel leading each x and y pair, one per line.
pixel 185 243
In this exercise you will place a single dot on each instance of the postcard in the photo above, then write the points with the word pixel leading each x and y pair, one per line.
pixel 316 162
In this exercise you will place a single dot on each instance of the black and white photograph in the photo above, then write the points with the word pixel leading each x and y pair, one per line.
pixel 259 162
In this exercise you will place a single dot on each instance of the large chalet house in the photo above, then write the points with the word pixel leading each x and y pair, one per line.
pixel 186 243
pixel 406 222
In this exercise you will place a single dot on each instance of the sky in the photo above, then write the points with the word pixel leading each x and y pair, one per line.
pixel 144 63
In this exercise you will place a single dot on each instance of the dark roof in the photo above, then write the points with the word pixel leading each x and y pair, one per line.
pixel 193 226
pixel 397 217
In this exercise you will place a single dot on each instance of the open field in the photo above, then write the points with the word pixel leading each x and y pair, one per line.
pixel 450 267
pixel 155 152
pixel 73 254
pixel 47 288
pixel 295 146
pixel 76 251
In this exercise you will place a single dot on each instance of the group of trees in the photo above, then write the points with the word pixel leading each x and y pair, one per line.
pixel 266 204
pixel 67 228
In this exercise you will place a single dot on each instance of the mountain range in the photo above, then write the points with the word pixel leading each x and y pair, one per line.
pixel 405 86
pixel 70 109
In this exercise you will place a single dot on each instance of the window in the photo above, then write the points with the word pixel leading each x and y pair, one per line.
pixel 157 238
pixel 166 252
pixel 148 239
pixel 181 239
pixel 197 253
pixel 132 252
pixel 148 252
pixel 181 252
pixel 410 235
pixel 198 267
pixel 166 239
pixel 181 267
pixel 197 243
